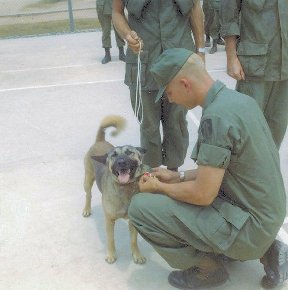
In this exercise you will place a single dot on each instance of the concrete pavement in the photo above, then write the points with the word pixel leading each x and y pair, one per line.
pixel 54 91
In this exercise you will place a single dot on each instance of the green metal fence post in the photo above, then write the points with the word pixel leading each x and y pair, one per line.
pixel 71 18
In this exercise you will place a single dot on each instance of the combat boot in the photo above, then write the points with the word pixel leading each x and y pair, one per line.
pixel 213 49
pixel 275 263
pixel 207 41
pixel 220 40
pixel 122 54
pixel 207 273
pixel 107 56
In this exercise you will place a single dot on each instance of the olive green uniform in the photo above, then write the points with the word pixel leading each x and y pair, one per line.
pixel 161 24
pixel 243 221
pixel 263 53
pixel 212 22
pixel 104 12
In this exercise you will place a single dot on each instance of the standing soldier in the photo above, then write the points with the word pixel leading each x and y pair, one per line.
pixel 154 26
pixel 257 55
pixel 104 12
pixel 212 24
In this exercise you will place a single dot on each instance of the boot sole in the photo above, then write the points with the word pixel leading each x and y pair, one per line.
pixel 216 284
pixel 279 265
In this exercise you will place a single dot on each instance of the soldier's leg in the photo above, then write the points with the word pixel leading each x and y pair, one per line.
pixel 175 134
pixel 206 11
pixel 160 221
pixel 155 217
pixel 276 111
pixel 214 31
pixel 105 22
pixel 150 136
pixel 272 98
pixel 120 44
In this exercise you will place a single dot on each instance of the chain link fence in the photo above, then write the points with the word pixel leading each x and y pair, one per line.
pixel 39 17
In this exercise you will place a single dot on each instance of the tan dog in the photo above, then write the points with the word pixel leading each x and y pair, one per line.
pixel 117 171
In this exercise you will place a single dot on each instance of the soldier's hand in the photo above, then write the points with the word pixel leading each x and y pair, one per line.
pixel 148 183
pixel 134 41
pixel 165 175
pixel 234 69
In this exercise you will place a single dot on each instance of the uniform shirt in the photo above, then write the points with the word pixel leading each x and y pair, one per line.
pixel 162 24
pixel 263 44
pixel 234 135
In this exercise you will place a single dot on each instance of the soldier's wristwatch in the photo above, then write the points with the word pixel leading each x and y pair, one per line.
pixel 201 50
pixel 182 175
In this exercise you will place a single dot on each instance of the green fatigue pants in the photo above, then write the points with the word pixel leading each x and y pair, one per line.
pixel 171 151
pixel 272 97
pixel 179 231
pixel 106 23
pixel 212 21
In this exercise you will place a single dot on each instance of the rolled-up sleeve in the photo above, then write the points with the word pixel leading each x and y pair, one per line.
pixel 213 147
pixel 214 156
pixel 229 17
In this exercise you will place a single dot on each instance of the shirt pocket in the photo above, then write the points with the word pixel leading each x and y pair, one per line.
pixel 221 222
pixel 132 68
pixel 136 7
pixel 253 58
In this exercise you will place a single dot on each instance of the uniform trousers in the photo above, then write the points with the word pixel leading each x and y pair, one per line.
pixel 169 146
pixel 272 97
pixel 106 23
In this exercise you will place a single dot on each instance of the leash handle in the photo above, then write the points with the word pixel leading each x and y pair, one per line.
pixel 138 97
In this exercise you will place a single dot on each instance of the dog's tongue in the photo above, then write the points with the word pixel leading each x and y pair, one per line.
pixel 123 177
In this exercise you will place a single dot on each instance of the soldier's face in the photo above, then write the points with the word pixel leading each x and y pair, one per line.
pixel 178 92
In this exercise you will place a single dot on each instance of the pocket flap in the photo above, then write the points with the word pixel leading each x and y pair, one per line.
pixel 133 58
pixel 231 213
pixel 185 6
pixel 250 48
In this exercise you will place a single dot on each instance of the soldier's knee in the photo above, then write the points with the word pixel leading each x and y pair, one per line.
pixel 136 206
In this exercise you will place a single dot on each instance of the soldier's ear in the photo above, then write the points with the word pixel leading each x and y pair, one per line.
pixel 141 150
pixel 102 159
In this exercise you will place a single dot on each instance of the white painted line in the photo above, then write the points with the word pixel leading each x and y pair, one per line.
pixel 76 65
pixel 55 67
pixel 193 118
pixel 46 68
pixel 60 85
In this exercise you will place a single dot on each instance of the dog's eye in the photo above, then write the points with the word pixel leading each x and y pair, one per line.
pixel 114 154
pixel 128 152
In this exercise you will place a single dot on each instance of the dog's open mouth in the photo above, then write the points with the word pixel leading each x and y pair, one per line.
pixel 124 176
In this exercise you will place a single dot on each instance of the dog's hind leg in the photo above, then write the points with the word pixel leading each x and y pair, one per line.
pixel 111 250
pixel 137 257
pixel 88 183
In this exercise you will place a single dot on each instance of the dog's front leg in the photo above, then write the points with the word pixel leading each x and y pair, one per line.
pixel 88 183
pixel 137 257
pixel 111 255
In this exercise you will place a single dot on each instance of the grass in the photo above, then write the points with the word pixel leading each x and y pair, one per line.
pixel 49 27
pixel 42 3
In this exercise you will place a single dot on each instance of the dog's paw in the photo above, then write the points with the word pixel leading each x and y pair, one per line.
pixel 111 259
pixel 86 212
pixel 139 259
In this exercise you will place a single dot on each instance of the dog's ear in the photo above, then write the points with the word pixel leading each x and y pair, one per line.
pixel 101 159
pixel 141 150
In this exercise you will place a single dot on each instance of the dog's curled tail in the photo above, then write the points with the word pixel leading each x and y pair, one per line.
pixel 116 121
